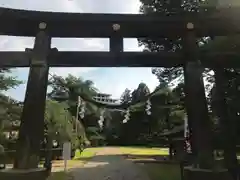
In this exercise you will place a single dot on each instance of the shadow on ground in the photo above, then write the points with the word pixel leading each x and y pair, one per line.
pixel 137 158
pixel 109 167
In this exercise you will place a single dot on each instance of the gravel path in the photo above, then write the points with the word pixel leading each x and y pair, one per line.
pixel 108 164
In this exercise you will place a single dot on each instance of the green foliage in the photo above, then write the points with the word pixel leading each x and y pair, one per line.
pixel 7 81
pixel 138 119
pixel 10 114
pixel 94 135
pixel 58 121
pixel 67 90
pixel 10 110
pixel 140 93
pixel 126 96
pixel 170 8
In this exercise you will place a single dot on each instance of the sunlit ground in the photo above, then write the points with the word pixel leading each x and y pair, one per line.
pixel 144 151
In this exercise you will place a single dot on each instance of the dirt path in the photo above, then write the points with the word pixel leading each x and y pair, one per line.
pixel 108 164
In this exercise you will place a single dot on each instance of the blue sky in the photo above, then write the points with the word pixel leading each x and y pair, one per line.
pixel 107 80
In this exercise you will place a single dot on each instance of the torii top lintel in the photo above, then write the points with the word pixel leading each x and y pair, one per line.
pixel 15 22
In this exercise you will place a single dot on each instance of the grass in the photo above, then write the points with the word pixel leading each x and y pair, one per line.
pixel 87 153
pixel 78 160
pixel 144 151
pixel 162 171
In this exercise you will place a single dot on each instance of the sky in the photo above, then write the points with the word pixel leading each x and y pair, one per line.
pixel 108 80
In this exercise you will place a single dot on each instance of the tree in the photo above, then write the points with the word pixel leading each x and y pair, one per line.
pixel 7 81
pixel 10 113
pixel 112 128
pixel 167 112
pixel 126 96
pixel 170 8
pixel 58 121
pixel 139 93
pixel 95 136
pixel 10 110
pixel 68 90
pixel 166 44
pixel 138 120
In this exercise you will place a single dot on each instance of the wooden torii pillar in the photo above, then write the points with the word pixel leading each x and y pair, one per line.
pixel 32 120
pixel 227 124
pixel 197 110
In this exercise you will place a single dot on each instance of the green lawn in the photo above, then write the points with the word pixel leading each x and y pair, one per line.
pixel 87 153
pixel 144 151
pixel 76 162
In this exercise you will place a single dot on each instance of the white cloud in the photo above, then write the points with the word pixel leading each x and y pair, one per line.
pixel 80 44
pixel 73 71
pixel 131 44
pixel 89 6
pixel 44 5
pixel 13 43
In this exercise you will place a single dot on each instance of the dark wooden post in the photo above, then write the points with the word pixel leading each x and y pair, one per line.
pixel 32 120
pixel 116 40
pixel 227 124
pixel 196 103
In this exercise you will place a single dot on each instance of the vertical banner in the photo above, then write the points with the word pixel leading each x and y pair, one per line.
pixel 187 143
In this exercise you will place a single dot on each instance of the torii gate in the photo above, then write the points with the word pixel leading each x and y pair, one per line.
pixel 45 25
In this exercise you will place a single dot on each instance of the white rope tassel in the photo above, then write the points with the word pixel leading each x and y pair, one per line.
pixel 126 116
pixel 101 119
pixel 82 110
pixel 148 107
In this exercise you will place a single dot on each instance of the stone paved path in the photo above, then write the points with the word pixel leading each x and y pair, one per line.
pixel 109 165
